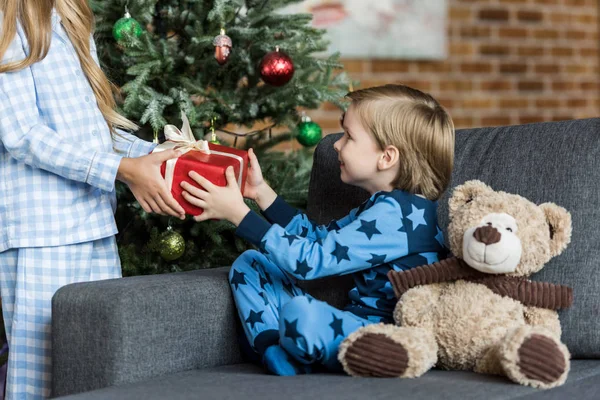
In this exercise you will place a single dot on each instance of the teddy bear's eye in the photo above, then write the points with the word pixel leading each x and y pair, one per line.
pixel 470 199
pixel 509 229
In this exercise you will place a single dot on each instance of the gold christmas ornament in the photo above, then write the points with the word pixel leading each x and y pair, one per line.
pixel 171 245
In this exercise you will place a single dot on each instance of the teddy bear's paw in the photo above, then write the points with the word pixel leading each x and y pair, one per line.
pixel 374 354
pixel 380 350
pixel 541 360
pixel 538 359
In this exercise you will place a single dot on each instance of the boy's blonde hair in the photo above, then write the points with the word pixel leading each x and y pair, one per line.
pixel 418 126
pixel 78 20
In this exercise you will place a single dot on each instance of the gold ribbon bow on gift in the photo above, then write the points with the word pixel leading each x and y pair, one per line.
pixel 182 140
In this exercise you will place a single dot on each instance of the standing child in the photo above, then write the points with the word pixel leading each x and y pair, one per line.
pixel 60 152
pixel 398 144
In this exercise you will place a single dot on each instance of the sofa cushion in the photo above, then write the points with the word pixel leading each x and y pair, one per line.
pixel 246 381
pixel 552 161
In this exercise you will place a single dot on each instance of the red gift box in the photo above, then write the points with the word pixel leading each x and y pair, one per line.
pixel 211 166
pixel 207 159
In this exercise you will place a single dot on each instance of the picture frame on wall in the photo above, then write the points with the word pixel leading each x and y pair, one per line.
pixel 391 29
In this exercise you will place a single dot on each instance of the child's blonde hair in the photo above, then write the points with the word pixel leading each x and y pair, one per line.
pixel 78 21
pixel 418 126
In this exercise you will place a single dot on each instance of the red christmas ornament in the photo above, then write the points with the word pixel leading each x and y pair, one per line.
pixel 223 47
pixel 276 68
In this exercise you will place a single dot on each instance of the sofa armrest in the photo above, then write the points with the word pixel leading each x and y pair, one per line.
pixel 125 330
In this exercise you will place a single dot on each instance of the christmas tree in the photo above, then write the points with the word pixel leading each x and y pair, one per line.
pixel 224 63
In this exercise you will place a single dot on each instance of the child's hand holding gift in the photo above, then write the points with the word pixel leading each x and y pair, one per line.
pixel 257 188
pixel 226 202
pixel 218 202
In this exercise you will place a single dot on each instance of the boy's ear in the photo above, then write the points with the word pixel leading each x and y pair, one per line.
pixel 389 157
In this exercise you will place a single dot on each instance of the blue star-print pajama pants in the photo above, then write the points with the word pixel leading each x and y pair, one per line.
pixel 273 309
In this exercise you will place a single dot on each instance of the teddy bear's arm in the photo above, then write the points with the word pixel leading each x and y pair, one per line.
pixel 450 269
pixel 544 295
pixel 530 294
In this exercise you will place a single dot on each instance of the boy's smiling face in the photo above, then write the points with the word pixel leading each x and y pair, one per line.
pixel 358 154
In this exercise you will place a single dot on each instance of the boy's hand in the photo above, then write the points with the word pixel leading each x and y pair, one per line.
pixel 257 188
pixel 254 180
pixel 218 202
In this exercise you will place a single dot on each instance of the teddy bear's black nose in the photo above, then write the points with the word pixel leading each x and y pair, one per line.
pixel 487 235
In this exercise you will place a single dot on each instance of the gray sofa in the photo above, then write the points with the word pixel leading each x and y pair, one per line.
pixel 175 336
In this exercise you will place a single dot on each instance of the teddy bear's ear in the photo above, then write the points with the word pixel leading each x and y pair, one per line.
pixel 559 227
pixel 465 193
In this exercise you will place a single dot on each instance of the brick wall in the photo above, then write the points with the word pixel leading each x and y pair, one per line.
pixel 509 62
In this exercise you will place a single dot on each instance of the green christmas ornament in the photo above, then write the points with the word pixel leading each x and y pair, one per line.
pixel 309 132
pixel 126 26
pixel 171 245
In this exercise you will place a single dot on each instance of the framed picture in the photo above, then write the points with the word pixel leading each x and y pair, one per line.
pixel 412 29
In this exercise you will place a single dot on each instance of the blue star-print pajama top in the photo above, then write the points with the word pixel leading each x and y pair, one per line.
pixel 391 230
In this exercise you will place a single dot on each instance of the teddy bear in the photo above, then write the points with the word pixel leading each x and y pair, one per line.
pixel 477 310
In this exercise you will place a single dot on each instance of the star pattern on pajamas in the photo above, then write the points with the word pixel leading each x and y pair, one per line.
pixel 372 274
pixel 336 326
pixel 377 259
pixel 369 228
pixel 340 252
pixel 291 330
pixel 255 317
pixel 302 268
pixel 290 238
pixel 417 217
pixel 333 226
pixel 238 279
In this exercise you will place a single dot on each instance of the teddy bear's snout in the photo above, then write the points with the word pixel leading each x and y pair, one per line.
pixel 492 246
pixel 487 235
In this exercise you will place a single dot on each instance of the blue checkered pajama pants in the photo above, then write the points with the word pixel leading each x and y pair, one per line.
pixel 273 309
pixel 29 277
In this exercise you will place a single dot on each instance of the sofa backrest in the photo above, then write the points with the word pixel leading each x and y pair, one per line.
pixel 545 162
